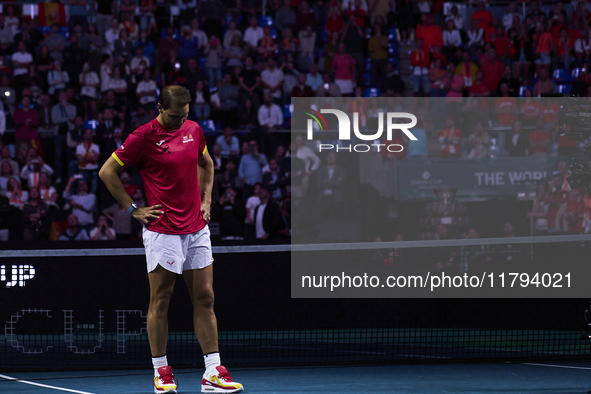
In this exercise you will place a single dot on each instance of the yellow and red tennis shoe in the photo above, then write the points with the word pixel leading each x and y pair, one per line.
pixel 218 380
pixel 166 382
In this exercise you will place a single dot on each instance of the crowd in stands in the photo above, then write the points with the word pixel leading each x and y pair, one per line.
pixel 72 89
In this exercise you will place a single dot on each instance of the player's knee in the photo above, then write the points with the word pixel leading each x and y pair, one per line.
pixel 204 299
pixel 159 303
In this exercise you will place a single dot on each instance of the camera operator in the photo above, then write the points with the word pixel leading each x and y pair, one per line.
pixel 34 167
pixel 102 231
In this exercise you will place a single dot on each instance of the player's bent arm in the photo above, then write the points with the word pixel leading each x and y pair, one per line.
pixel 207 168
pixel 109 174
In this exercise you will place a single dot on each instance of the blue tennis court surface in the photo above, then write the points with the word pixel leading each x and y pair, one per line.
pixel 505 378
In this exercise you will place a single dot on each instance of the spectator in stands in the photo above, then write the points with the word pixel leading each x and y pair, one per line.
pixel 34 215
pixel 230 214
pixel 270 115
pixel 478 142
pixel 44 62
pixel 505 107
pixel 343 65
pixel 87 154
pixel 331 179
pixel 307 46
pixel 311 162
pixel 481 15
pixel 250 82
pixel 102 231
pixel 6 173
pixel 112 35
pixel 228 143
pixel 33 168
pixel 62 114
pixel 539 140
pixel 146 91
pixel 250 168
pixel 573 210
pixel 437 79
pixel 252 202
pixel 512 83
pixel 82 203
pixel 56 43
pixel 475 37
pixel 543 46
pixel 334 22
pixel 419 61
pixel 74 232
pixel 235 52
pixel 267 217
pixel 544 84
pixel 301 89
pixel 248 116
pixel 353 38
pixel 122 48
pixel 20 60
pixel 418 148
pixel 213 61
pixel 540 209
pixel 231 33
pixel 253 35
pixel 450 138
pixel 57 78
pixel 451 39
pixel 392 82
pixel 274 181
pixel 89 82
pixel 492 68
pixel 267 47
pixel 106 71
pixel 32 81
pixel 74 58
pixel 6 35
pixel 47 192
pixel 517 144
pixel 510 17
pixel 285 17
pixel 15 194
pixel 26 120
pixel 583 48
pixel 202 108
pixel 229 95
pixel 509 230
pixel 564 47
pixel 314 79
pixel 272 80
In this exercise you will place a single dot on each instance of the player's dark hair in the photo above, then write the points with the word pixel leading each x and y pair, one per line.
pixel 174 94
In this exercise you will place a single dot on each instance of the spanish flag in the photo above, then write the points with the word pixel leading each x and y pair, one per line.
pixel 50 13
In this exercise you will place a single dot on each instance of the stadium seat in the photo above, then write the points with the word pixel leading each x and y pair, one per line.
pixel 367 64
pixel 395 62
pixel 274 33
pixel 560 75
pixel 175 35
pixel 392 35
pixel 202 63
pixel 565 89
pixel 90 124
pixel 393 50
pixel 371 92
pixel 522 90
pixel 367 78
pixel 287 109
pixel 207 125
pixel 575 74
pixel 265 21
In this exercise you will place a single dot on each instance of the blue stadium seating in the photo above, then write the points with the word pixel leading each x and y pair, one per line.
pixel 371 92
pixel 287 108
pixel 522 90
pixel 393 50
pixel 207 125
pixel 90 124
pixel 175 35
pixel 265 21
pixel 367 64
pixel 367 78
pixel 392 35
pixel 561 76
pixel 565 89
pixel 575 74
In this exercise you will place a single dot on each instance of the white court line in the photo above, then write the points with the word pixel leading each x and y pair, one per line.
pixel 43 385
pixel 556 366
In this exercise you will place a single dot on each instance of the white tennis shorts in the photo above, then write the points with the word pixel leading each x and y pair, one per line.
pixel 178 252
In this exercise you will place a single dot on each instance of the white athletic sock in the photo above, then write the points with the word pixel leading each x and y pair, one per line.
pixel 212 360
pixel 158 362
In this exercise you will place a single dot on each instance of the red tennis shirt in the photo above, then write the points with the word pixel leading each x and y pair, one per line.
pixel 167 161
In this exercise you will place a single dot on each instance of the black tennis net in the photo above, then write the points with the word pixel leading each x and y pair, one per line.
pixel 70 312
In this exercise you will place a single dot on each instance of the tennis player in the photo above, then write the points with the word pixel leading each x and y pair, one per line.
pixel 168 151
